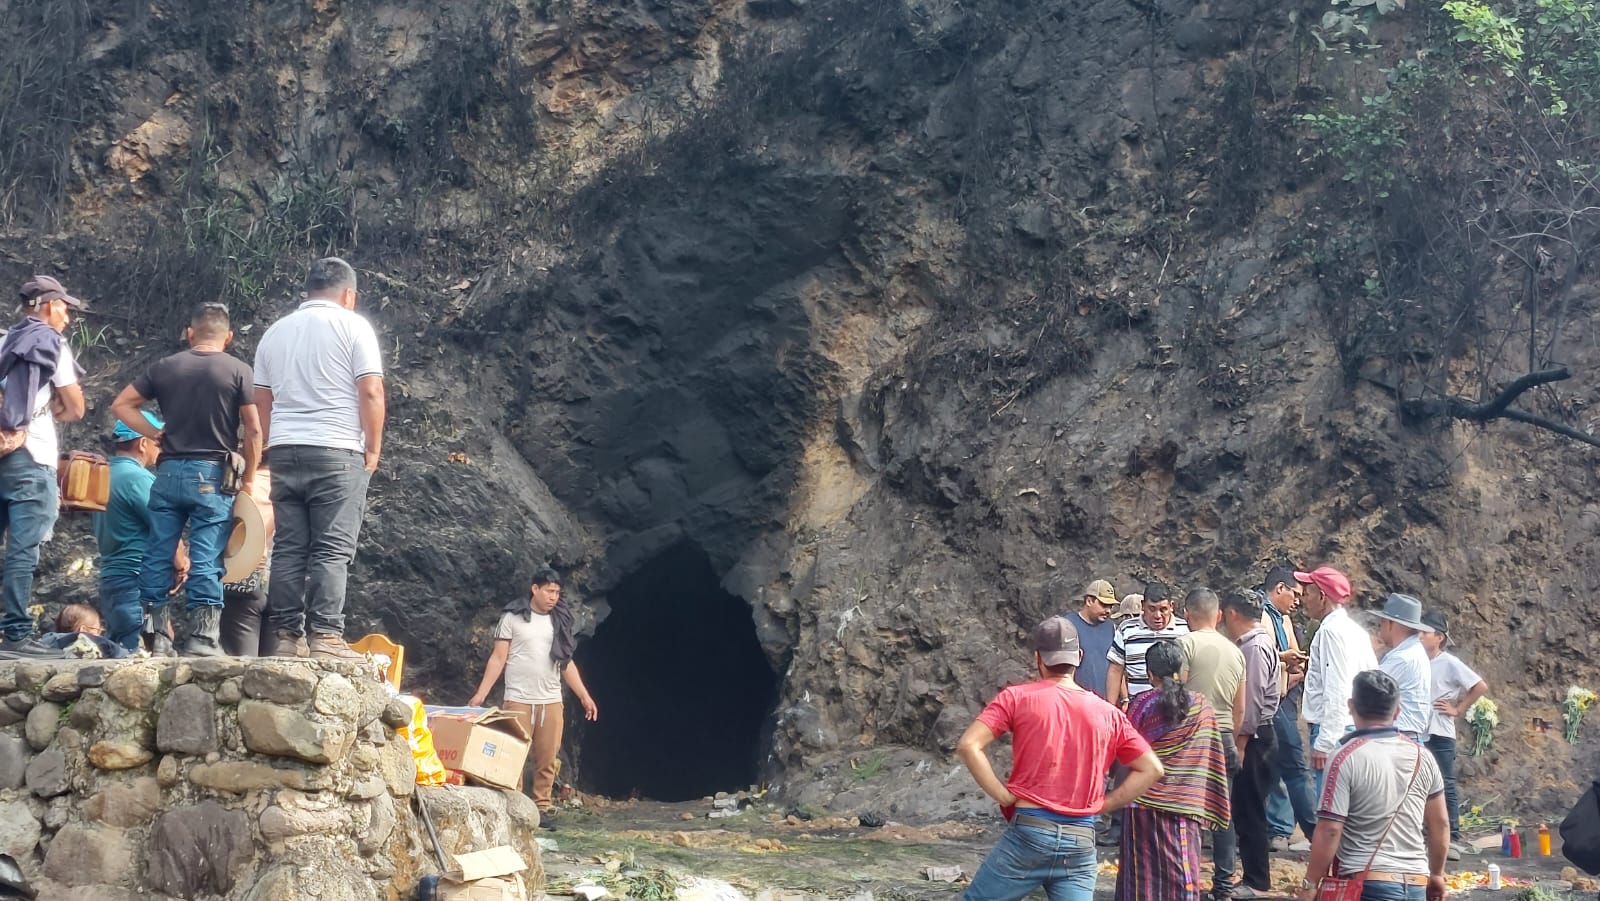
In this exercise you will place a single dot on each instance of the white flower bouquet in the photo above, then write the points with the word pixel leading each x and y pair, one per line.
pixel 1483 716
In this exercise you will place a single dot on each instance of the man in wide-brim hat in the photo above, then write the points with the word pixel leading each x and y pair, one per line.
pixel 1407 663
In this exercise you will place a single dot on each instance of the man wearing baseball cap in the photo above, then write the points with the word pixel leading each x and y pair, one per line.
pixel 1095 631
pixel 1063 740
pixel 121 530
pixel 1455 687
pixel 41 388
pixel 1339 649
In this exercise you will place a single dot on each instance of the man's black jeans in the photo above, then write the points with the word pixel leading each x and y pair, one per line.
pixel 319 495
pixel 1257 774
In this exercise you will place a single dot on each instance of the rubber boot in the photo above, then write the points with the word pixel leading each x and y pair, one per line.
pixel 205 633
pixel 157 631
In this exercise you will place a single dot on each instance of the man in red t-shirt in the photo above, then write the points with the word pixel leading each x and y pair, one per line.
pixel 1064 739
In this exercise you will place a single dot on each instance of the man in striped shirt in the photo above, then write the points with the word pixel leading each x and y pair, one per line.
pixel 1127 676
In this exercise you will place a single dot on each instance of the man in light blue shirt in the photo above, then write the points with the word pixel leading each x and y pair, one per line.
pixel 1407 663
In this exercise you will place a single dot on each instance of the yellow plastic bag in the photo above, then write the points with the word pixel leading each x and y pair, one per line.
pixel 430 769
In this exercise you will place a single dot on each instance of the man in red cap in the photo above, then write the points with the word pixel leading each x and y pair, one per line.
pixel 41 389
pixel 1339 650
pixel 1064 739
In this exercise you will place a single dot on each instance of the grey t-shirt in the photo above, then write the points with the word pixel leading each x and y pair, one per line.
pixel 531 676
pixel 1451 679
pixel 1367 781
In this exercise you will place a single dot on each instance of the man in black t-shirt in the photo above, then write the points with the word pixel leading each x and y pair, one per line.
pixel 208 399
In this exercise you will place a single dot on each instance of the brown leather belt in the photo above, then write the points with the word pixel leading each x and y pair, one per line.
pixel 1033 822
pixel 1386 876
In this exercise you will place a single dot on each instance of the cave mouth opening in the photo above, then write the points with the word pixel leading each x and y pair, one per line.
pixel 685 692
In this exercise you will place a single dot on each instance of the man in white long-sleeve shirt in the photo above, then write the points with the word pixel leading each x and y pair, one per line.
pixel 1408 664
pixel 1339 650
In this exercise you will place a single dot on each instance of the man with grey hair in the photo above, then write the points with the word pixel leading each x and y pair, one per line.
pixel 319 387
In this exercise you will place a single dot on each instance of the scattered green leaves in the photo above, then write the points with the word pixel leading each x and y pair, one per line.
pixel 1499 37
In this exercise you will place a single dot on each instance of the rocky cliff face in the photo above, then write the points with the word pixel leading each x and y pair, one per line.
pixel 891 322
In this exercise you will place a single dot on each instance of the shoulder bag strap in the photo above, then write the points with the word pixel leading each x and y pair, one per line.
pixel 1415 771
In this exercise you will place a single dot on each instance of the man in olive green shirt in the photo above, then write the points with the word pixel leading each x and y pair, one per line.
pixel 1216 671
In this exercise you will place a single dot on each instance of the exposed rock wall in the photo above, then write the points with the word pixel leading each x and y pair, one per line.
pixel 247 781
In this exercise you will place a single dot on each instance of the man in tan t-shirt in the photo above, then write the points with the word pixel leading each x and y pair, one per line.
pixel 532 648
pixel 1215 668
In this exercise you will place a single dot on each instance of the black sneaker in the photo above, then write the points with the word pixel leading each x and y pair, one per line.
pixel 547 818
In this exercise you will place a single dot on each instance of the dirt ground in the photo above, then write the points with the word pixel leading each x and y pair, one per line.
pixel 766 854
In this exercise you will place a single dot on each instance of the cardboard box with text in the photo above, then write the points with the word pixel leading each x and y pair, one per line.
pixel 489 746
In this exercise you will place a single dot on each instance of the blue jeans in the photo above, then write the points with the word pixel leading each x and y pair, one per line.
pixel 119 606
pixel 186 493
pixel 1392 891
pixel 1225 841
pixel 28 507
pixel 1027 858
pixel 319 495
pixel 1290 767
pixel 1280 813
pixel 1444 753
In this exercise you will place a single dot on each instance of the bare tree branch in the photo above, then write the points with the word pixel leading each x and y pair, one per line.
pixel 1475 411
pixel 1552 425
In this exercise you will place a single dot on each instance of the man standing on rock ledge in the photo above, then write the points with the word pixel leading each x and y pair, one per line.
pixel 533 645
pixel 41 389
pixel 1063 741
pixel 206 398
pixel 319 386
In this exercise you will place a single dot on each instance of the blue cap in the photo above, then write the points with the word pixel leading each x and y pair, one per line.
pixel 123 433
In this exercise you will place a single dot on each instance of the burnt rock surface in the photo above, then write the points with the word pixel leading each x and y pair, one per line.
pixel 907 318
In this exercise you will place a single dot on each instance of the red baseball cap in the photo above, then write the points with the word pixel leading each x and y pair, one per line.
pixel 1333 583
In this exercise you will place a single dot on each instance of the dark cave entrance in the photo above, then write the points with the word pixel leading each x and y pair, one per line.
pixel 684 690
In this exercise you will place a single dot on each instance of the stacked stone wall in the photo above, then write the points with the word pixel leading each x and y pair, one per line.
pixel 245 780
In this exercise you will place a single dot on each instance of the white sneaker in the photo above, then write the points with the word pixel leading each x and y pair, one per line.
pixel 1278 843
pixel 1301 845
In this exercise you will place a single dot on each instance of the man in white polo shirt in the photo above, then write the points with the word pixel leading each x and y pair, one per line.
pixel 319 389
